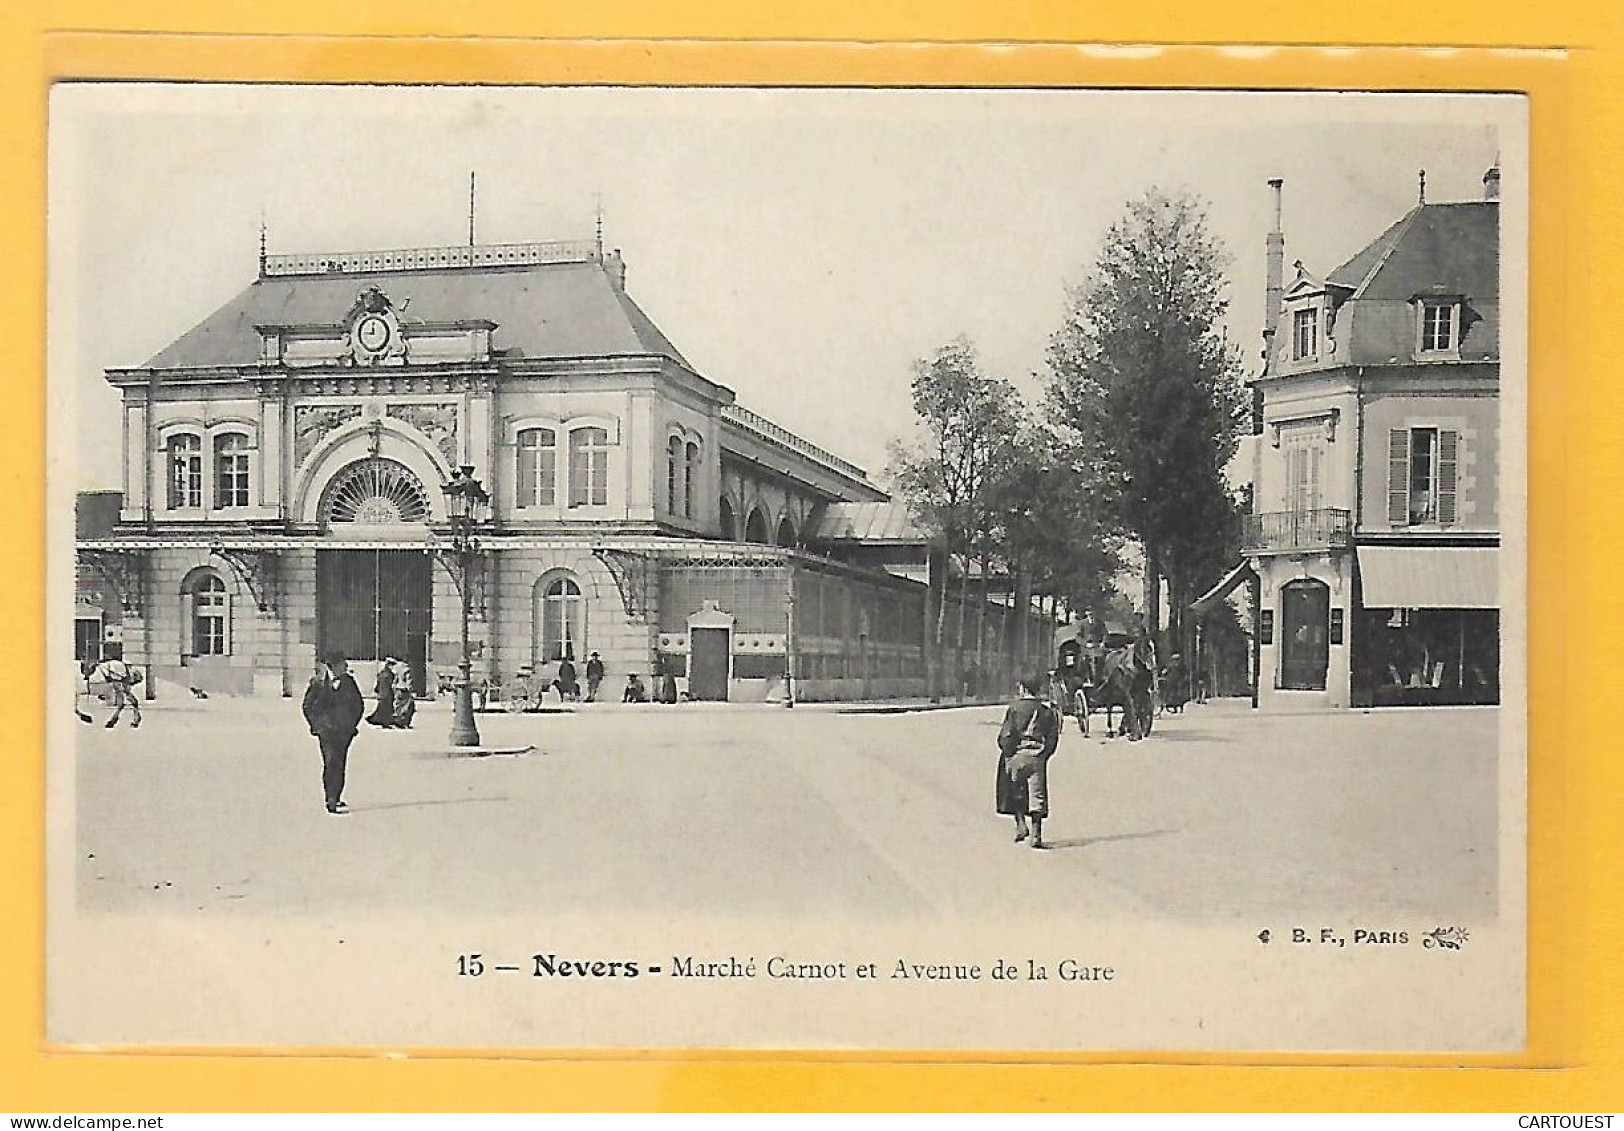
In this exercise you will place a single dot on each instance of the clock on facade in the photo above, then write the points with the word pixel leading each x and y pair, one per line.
pixel 372 333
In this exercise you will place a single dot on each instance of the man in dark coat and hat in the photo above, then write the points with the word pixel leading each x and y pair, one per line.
pixel 333 708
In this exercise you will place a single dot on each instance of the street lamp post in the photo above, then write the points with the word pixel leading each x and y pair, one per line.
pixel 465 503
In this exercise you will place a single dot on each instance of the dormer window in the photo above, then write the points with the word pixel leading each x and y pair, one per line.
pixel 1440 326
pixel 1305 334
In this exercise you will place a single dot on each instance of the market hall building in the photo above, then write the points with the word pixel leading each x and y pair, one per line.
pixel 1374 548
pixel 283 464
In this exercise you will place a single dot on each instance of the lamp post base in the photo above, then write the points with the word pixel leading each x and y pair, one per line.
pixel 463 730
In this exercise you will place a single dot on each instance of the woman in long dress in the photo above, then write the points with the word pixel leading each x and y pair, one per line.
pixel 1026 742
pixel 383 715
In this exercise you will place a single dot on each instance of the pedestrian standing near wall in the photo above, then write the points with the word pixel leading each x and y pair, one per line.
pixel 1026 742
pixel 594 677
pixel 333 708
pixel 121 680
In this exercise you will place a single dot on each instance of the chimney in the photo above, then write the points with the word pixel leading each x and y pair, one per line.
pixel 1491 182
pixel 616 266
pixel 1274 249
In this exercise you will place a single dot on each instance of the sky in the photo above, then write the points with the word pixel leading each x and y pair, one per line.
pixel 802 247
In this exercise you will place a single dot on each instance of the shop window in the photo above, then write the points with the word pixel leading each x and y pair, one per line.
pixel 231 456
pixel 538 469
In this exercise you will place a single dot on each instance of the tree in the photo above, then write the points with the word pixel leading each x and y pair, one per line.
pixel 966 425
pixel 1146 386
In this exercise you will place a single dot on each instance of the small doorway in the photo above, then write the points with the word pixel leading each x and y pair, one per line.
pixel 1305 614
pixel 710 654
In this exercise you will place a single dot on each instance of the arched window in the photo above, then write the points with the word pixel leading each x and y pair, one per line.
pixel 205 615
pixel 538 468
pixel 690 478
pixel 375 492
pixel 730 525
pixel 231 470
pixel 560 619
pixel 185 471
pixel 673 475
pixel 755 527
pixel 786 532
pixel 589 467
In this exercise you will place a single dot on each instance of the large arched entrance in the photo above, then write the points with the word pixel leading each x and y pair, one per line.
pixel 375 604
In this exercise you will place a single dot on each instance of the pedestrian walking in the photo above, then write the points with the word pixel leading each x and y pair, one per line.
pixel 1026 742
pixel 594 677
pixel 121 680
pixel 333 707
pixel 383 715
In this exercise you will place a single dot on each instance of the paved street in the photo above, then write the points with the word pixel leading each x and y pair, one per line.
pixel 215 808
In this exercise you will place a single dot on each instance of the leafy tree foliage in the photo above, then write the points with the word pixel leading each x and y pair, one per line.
pixel 1146 389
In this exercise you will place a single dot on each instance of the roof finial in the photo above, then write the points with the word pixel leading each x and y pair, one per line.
pixel 598 202
pixel 262 243
pixel 470 208
pixel 1423 199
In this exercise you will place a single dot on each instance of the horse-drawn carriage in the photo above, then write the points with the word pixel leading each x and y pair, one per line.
pixel 1105 673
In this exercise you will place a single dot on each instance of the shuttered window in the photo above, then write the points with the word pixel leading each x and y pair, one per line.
pixel 1448 455
pixel 1398 477
pixel 1423 477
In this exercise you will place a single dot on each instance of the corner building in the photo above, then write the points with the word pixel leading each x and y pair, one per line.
pixel 283 464
pixel 1375 545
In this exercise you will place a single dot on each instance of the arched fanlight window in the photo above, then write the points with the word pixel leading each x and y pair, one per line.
pixel 231 470
pixel 589 467
pixel 185 451
pixel 560 619
pixel 538 468
pixel 375 492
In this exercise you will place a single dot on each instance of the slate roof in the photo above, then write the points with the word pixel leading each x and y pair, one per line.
pixel 1453 247
pixel 552 310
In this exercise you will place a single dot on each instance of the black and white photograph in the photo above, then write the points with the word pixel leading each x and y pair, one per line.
pixel 550 568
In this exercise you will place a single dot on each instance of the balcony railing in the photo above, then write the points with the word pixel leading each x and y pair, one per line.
pixel 1282 531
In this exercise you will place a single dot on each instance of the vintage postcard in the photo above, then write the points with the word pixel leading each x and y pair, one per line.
pixel 1039 571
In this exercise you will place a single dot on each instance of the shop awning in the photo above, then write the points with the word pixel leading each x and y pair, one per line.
pixel 1209 600
pixel 1430 577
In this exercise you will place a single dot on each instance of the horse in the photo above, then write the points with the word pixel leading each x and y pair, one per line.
pixel 1116 682
pixel 1126 684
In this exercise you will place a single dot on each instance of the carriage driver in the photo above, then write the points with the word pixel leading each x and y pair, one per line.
pixel 1093 646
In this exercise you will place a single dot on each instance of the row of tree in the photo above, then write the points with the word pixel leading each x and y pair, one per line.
pixel 1142 409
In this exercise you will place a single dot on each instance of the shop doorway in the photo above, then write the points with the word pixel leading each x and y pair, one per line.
pixel 1305 614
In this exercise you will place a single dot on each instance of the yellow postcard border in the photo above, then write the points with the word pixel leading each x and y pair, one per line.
pixel 1570 1038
